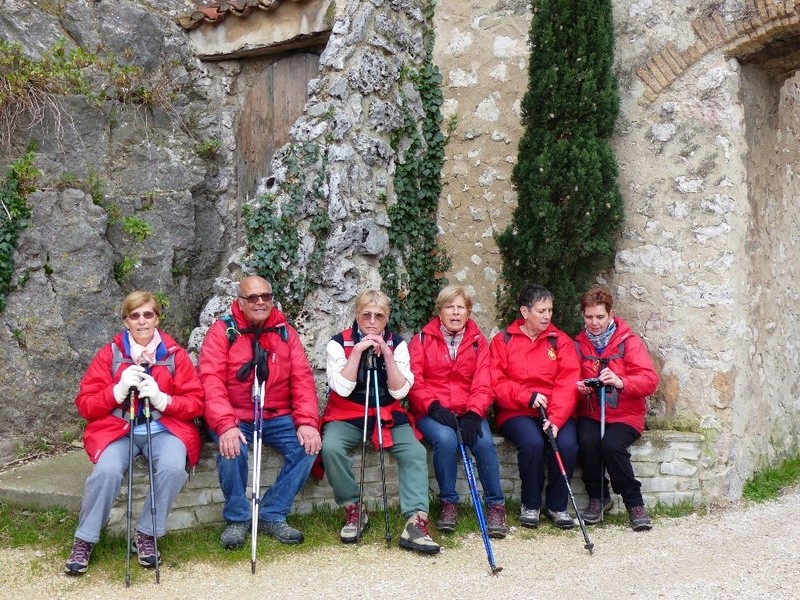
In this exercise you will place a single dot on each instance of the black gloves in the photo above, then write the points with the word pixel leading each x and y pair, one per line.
pixel 471 428
pixel 445 417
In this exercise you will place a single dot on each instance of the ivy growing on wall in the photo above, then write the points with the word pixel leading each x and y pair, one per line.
pixel 274 232
pixel 413 270
pixel 14 216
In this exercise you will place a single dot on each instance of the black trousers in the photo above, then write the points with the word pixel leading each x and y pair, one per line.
pixel 611 453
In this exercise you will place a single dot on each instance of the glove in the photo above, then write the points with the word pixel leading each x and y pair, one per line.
pixel 471 428
pixel 437 412
pixel 148 388
pixel 131 377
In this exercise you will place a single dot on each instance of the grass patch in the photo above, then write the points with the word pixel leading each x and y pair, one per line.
pixel 767 484
pixel 51 532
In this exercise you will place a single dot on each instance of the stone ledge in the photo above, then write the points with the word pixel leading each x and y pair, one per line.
pixel 668 463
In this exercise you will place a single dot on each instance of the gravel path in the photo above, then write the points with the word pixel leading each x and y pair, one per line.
pixel 741 551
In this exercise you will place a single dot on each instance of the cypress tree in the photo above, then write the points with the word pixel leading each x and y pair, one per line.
pixel 569 207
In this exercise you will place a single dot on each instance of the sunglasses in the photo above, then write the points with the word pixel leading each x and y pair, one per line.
pixel 254 298
pixel 369 316
pixel 148 314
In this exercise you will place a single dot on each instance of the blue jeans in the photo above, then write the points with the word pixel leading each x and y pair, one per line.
pixel 533 452
pixel 446 457
pixel 276 502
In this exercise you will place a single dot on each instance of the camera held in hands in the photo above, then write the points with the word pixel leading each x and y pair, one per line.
pixel 593 382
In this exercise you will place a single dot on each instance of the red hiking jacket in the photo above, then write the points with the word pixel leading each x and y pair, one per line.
pixel 635 368
pixel 289 390
pixel 459 385
pixel 95 400
pixel 521 366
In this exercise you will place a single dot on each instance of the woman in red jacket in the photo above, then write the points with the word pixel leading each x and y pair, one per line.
pixel 533 366
pixel 141 362
pixel 452 390
pixel 611 352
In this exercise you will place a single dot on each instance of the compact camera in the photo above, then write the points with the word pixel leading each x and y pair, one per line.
pixel 593 382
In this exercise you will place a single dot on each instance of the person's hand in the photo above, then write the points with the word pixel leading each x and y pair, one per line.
pixel 437 412
pixel 309 438
pixel 582 387
pixel 471 428
pixel 608 377
pixel 231 442
pixel 551 426
pixel 148 388
pixel 131 377
pixel 538 400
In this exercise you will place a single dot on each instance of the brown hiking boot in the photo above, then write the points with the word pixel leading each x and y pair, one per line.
pixel 640 520
pixel 594 513
pixel 447 520
pixel 496 522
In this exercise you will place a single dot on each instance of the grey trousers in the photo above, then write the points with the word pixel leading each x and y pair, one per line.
pixel 103 485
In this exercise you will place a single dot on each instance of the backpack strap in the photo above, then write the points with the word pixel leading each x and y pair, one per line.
pixel 604 359
pixel 232 331
pixel 117 359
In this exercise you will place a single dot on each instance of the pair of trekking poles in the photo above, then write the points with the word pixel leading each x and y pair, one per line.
pixel 372 389
pixel 131 413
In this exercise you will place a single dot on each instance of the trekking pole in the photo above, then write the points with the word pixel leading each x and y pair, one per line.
pixel 603 365
pixel 374 370
pixel 152 484
pixel 258 422
pixel 476 502
pixel 363 456
pixel 130 412
pixel 543 415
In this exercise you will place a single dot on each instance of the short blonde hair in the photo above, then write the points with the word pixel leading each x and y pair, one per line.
pixel 373 297
pixel 136 299
pixel 450 293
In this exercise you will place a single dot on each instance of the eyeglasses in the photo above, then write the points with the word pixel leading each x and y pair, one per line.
pixel 369 316
pixel 148 314
pixel 254 298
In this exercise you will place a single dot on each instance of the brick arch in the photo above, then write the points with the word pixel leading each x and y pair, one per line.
pixel 759 23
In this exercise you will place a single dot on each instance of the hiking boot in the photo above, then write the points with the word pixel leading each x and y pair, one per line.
pixel 593 513
pixel 640 520
pixel 349 533
pixel 447 520
pixel 281 531
pixel 496 522
pixel 529 517
pixel 232 537
pixel 78 560
pixel 415 535
pixel 145 548
pixel 560 518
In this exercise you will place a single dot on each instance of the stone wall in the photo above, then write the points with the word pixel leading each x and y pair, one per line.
pixel 706 145
pixel 670 465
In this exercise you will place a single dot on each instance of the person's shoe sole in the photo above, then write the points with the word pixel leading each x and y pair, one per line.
pixel 446 527
pixel 642 526
pixel 408 545
pixel 496 534
pixel 353 539
pixel 76 570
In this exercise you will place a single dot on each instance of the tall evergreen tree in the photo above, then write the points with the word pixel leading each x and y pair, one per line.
pixel 569 209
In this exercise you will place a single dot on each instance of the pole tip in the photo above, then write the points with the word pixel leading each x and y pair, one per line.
pixel 496 570
pixel 589 547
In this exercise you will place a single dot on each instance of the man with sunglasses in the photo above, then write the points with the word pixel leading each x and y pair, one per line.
pixel 290 415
